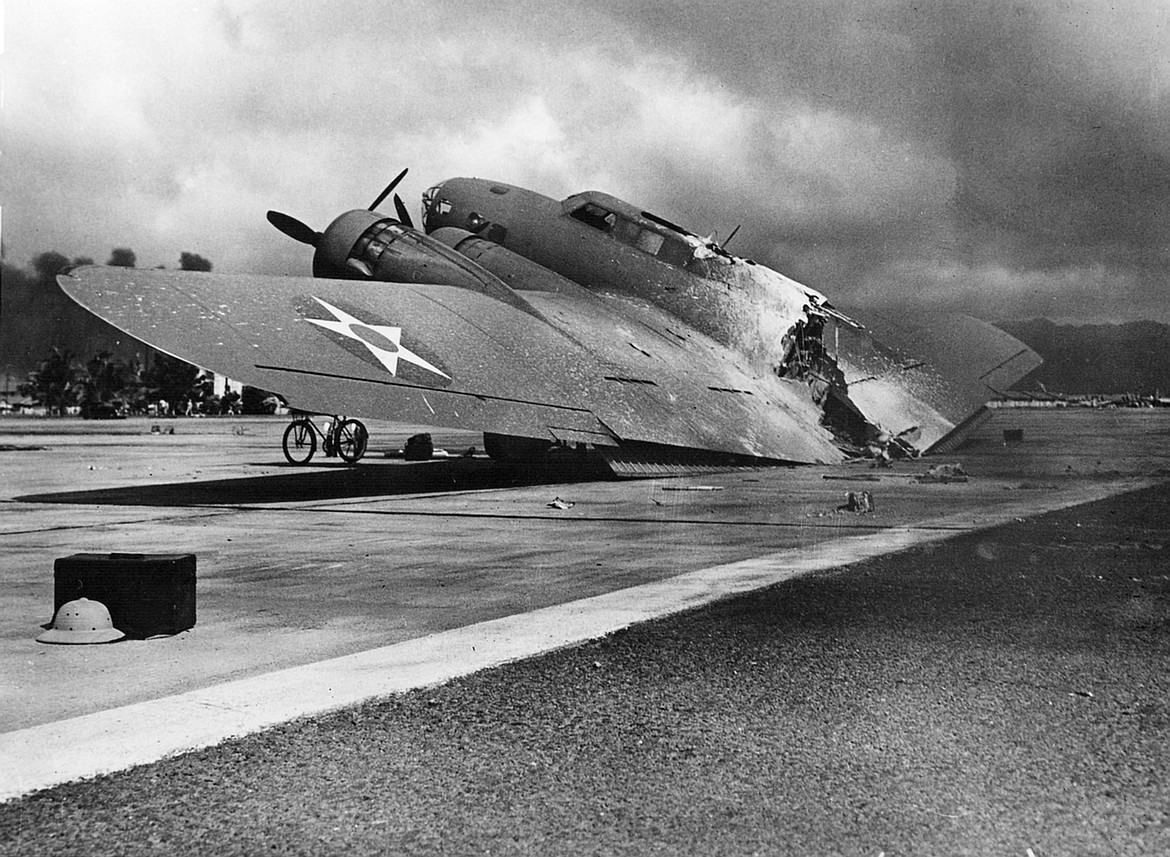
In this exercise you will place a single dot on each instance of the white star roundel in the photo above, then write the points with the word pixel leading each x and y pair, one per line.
pixel 383 341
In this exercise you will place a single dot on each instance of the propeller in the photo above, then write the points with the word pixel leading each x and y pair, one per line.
pixel 305 234
pixel 389 189
pixel 294 229
pixel 403 214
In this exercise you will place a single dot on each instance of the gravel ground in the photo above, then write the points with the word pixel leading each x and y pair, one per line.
pixel 995 693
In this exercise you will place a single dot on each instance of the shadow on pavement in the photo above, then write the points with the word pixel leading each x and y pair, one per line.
pixel 335 483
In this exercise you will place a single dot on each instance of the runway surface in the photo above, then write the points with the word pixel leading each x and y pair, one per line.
pixel 1002 692
pixel 353 561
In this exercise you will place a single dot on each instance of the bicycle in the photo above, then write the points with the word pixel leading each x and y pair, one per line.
pixel 344 437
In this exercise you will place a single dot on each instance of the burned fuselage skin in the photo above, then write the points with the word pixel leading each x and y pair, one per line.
pixel 611 247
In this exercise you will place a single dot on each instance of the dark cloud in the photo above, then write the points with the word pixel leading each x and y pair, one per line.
pixel 1001 158
pixel 1052 118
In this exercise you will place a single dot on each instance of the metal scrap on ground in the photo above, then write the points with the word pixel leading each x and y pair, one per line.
pixel 944 473
pixel 857 501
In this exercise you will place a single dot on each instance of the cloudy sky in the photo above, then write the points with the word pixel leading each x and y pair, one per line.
pixel 1004 159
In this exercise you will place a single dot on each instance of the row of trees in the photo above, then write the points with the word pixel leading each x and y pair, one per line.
pixel 37 315
pixel 115 379
pixel 104 386
pixel 49 265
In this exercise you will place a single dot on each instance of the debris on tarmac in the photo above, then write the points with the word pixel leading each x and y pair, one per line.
pixel 419 447
pixel 857 501
pixel 692 487
pixel 558 503
pixel 941 473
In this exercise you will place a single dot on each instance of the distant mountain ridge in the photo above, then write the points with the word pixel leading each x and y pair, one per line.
pixel 1133 357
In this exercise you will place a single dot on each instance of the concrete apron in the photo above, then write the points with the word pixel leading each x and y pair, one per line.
pixel 67 750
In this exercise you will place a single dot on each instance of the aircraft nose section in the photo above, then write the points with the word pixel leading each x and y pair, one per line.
pixel 436 208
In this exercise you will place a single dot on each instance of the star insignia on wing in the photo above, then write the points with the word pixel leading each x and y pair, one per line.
pixel 381 340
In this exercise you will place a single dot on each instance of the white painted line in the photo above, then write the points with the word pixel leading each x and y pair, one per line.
pixel 53 753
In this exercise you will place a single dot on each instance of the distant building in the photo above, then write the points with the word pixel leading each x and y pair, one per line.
pixel 16 404
pixel 221 384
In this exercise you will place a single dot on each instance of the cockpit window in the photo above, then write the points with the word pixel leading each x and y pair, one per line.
pixel 667 248
pixel 595 216
pixel 435 208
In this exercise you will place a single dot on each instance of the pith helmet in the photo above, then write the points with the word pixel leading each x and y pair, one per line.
pixel 82 621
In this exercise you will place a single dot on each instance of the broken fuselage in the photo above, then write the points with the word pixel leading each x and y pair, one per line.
pixel 784 330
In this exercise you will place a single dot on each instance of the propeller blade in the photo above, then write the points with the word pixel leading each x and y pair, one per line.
pixel 403 214
pixel 294 229
pixel 389 189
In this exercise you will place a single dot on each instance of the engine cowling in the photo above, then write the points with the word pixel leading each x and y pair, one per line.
pixel 363 245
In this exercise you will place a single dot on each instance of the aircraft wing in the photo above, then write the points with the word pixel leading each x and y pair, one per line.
pixel 448 356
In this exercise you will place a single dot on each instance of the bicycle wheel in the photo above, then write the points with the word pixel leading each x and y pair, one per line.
pixel 351 440
pixel 300 442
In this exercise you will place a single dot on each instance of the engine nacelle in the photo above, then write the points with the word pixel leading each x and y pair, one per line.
pixel 363 245
pixel 514 270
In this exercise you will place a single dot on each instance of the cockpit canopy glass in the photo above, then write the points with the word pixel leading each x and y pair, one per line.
pixel 666 248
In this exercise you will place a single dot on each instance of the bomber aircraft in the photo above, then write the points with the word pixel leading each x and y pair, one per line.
pixel 585 323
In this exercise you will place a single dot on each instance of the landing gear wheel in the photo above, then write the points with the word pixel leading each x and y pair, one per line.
pixel 351 441
pixel 300 442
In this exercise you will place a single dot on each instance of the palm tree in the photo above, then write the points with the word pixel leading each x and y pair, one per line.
pixel 53 383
